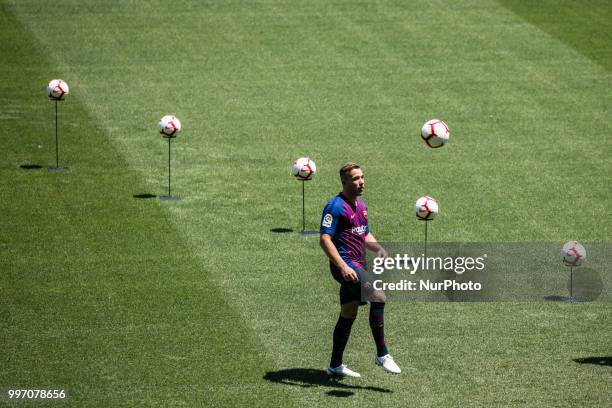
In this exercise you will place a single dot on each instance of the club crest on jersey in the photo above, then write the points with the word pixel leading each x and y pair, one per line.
pixel 327 220
pixel 365 213
pixel 358 230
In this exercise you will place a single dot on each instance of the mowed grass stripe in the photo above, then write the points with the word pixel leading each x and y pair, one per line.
pixel 584 25
pixel 98 292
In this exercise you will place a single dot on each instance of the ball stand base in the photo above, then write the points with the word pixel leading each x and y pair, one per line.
pixel 59 169
pixel 170 198
pixel 574 299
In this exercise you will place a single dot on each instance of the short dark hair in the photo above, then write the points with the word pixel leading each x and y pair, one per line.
pixel 346 169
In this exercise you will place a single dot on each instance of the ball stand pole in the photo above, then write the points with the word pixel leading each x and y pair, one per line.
pixel 571 282
pixel 57 168
pixel 304 231
pixel 572 298
pixel 169 197
pixel 425 241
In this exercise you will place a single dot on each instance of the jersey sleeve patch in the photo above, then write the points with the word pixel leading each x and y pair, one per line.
pixel 328 219
pixel 331 215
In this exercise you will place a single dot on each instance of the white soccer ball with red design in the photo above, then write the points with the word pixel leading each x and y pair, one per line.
pixel 57 90
pixel 426 208
pixel 303 168
pixel 169 126
pixel 435 133
pixel 573 253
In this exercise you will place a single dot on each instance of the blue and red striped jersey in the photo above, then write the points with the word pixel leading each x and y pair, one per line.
pixel 347 223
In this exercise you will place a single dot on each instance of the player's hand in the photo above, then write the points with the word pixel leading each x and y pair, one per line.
pixel 349 275
pixel 381 253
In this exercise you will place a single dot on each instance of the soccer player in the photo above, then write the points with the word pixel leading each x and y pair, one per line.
pixel 345 234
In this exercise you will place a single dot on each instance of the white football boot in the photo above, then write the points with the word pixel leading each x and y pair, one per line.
pixel 387 363
pixel 342 370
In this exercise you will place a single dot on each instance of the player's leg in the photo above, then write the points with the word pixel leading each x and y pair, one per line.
pixel 377 301
pixel 349 305
pixel 377 325
pixel 377 321
pixel 342 331
pixel 349 310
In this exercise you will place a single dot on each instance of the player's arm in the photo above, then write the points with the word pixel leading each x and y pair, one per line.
pixel 332 253
pixel 374 246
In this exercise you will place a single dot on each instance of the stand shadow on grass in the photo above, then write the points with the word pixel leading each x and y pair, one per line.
pixel 29 166
pixel 281 230
pixel 144 195
pixel 603 361
pixel 310 377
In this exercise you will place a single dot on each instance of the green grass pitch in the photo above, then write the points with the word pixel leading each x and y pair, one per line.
pixel 136 302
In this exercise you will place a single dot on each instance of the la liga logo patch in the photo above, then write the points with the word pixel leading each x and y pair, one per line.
pixel 327 220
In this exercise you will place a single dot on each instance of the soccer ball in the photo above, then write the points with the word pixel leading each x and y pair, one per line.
pixel 169 126
pixel 303 168
pixel 426 208
pixel 57 90
pixel 573 253
pixel 435 133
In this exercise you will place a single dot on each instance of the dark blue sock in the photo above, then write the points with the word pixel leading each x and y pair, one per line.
pixel 377 324
pixel 342 331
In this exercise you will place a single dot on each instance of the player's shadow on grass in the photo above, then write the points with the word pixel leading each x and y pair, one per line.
pixel 603 361
pixel 310 377
pixel 144 195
